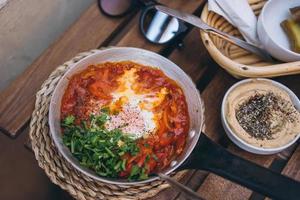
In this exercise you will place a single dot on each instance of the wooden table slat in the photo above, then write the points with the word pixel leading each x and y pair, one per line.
pixel 195 182
pixel 212 97
pixel 88 32
pixel 192 57
pixel 216 187
pixel 292 169
pixel 171 193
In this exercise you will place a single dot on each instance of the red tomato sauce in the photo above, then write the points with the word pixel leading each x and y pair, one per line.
pixel 97 82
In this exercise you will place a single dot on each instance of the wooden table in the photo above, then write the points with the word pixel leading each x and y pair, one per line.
pixel 94 30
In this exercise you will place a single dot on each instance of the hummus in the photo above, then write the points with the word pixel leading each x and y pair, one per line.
pixel 283 123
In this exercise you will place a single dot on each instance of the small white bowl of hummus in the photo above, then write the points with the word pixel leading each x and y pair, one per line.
pixel 261 116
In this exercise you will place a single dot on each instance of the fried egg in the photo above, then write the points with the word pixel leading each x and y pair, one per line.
pixel 133 111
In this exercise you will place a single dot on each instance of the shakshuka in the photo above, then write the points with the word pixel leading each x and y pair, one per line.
pixel 143 103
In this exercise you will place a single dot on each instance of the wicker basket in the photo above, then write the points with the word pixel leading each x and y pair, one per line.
pixel 235 60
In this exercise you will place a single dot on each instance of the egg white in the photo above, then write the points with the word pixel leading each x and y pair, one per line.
pixel 135 115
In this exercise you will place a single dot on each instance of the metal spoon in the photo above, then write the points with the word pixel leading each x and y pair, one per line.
pixel 196 21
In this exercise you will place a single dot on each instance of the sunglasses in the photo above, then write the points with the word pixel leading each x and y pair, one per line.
pixel 157 27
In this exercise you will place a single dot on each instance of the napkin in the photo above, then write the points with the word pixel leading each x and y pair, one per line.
pixel 2 3
pixel 239 14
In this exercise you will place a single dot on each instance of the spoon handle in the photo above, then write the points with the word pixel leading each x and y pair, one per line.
pixel 241 43
pixel 190 194
pixel 196 21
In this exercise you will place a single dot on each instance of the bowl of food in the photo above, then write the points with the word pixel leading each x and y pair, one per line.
pixel 278 32
pixel 124 113
pixel 261 116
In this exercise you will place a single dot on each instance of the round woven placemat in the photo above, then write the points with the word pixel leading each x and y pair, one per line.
pixel 59 170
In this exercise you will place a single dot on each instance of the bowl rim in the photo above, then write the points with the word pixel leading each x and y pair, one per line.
pixel 267 31
pixel 295 101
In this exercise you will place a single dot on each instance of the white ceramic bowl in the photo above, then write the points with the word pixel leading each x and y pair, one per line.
pixel 271 34
pixel 241 143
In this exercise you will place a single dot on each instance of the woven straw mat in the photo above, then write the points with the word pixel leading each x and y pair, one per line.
pixel 59 170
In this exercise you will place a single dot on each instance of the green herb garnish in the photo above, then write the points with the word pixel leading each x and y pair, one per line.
pixel 69 120
pixel 155 157
pixel 138 173
pixel 99 149
pixel 105 110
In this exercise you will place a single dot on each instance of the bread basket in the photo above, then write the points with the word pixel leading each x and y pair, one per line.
pixel 236 61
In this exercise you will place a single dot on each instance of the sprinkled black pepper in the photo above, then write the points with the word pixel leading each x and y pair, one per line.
pixel 261 114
